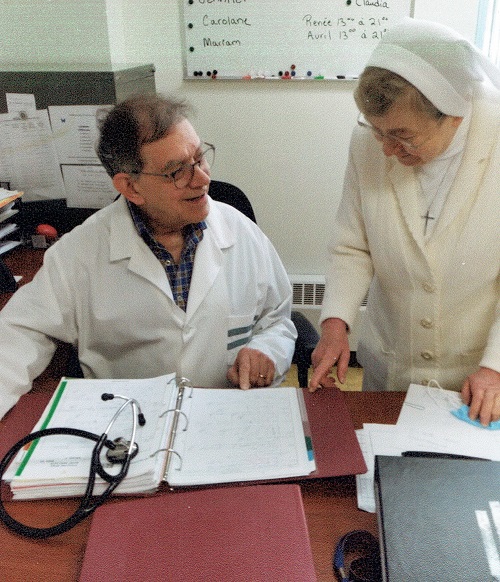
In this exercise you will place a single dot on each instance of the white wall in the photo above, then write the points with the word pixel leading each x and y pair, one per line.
pixel 284 143
pixel 51 31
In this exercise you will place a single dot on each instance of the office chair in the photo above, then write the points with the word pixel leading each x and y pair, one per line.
pixel 307 337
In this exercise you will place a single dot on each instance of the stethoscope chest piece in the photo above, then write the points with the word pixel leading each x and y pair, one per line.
pixel 120 451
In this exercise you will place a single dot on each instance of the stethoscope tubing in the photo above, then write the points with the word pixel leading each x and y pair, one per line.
pixel 86 506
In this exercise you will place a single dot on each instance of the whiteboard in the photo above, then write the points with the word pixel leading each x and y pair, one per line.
pixel 275 39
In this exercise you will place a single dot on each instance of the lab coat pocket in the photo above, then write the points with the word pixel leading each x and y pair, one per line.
pixel 239 333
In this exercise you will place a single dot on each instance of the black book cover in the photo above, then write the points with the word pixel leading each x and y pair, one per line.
pixel 439 519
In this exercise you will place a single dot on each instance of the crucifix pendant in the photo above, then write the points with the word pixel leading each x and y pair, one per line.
pixel 427 217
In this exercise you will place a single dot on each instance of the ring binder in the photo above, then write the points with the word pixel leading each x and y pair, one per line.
pixel 236 435
pixel 181 384
pixel 183 381
pixel 229 435
pixel 172 452
pixel 177 411
pixel 240 419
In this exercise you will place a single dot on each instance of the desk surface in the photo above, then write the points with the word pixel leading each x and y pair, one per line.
pixel 330 507
pixel 330 504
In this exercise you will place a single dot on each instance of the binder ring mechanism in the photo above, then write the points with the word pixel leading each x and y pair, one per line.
pixel 182 384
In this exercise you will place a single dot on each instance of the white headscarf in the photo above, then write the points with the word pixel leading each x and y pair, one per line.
pixel 435 59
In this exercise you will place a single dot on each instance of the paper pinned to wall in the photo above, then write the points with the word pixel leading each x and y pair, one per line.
pixel 20 102
pixel 75 131
pixel 28 157
pixel 88 186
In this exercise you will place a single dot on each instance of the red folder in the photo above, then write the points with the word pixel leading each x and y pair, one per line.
pixel 335 445
pixel 255 533
pixel 21 419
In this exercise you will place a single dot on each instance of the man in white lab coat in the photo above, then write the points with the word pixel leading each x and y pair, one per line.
pixel 163 280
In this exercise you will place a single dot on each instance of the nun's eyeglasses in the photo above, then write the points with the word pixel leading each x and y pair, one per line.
pixel 406 143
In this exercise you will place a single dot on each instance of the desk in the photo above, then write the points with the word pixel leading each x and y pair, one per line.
pixel 330 507
pixel 330 504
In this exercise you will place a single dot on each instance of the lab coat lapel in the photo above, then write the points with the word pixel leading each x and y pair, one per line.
pixel 125 243
pixel 208 259
pixel 145 264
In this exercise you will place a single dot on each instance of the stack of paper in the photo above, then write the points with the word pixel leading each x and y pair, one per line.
pixel 7 198
pixel 426 423
pixel 7 210
pixel 59 466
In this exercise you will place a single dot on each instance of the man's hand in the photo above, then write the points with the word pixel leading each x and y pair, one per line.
pixel 332 348
pixel 481 391
pixel 251 368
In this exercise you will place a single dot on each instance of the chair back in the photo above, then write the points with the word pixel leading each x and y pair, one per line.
pixel 232 195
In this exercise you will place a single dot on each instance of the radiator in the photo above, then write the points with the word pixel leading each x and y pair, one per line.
pixel 308 292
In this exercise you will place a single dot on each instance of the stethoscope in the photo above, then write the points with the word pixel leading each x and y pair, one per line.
pixel 120 451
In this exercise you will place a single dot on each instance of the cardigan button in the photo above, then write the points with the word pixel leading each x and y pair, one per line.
pixel 427 355
pixel 426 322
pixel 429 287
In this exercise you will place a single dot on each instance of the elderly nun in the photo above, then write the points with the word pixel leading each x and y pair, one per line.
pixel 418 225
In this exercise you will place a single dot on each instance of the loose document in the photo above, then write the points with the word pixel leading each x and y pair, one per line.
pixel 425 424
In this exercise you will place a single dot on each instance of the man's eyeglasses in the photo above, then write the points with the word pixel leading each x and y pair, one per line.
pixel 184 173
pixel 406 143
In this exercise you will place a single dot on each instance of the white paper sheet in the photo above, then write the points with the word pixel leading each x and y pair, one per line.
pixel 20 102
pixel 241 435
pixel 28 158
pixel 88 186
pixel 426 412
pixel 425 424
pixel 75 132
